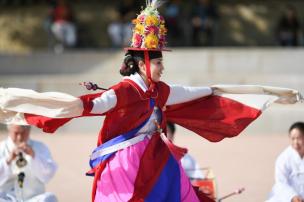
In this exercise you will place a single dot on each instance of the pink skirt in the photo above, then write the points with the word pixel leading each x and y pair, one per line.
pixel 116 183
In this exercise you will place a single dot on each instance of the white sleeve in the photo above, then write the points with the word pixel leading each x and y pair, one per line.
pixel 282 188
pixel 105 102
pixel 179 94
pixel 5 171
pixel 44 167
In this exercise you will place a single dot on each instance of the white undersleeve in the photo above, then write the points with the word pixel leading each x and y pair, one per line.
pixel 105 102
pixel 179 94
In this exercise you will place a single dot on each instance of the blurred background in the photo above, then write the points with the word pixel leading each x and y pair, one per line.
pixel 100 24
pixel 53 45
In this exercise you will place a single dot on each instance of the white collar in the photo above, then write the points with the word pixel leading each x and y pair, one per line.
pixel 138 80
pixel 295 153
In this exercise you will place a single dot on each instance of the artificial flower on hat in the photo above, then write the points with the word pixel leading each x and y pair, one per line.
pixel 149 28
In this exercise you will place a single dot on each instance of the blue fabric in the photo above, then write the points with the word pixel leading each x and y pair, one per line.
pixel 116 140
pixel 168 187
pixel 152 103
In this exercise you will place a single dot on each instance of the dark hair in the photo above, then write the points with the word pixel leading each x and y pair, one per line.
pixel 171 126
pixel 132 58
pixel 130 64
pixel 297 125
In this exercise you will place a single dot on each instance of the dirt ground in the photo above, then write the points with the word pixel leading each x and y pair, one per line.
pixel 245 161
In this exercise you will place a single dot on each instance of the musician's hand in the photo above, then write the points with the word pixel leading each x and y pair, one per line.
pixel 297 199
pixel 12 156
pixel 27 149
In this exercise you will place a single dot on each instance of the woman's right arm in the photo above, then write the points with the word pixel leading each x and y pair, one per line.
pixel 105 102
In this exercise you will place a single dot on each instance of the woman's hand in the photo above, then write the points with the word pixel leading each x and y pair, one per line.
pixel 213 90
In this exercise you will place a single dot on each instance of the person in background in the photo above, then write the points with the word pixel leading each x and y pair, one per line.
pixel 289 169
pixel 173 17
pixel 203 18
pixel 120 30
pixel 63 25
pixel 25 167
pixel 192 168
pixel 288 29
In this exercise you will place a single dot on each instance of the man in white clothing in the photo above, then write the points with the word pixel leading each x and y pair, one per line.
pixel 25 167
pixel 289 169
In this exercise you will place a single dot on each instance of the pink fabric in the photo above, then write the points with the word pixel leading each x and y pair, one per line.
pixel 187 192
pixel 116 182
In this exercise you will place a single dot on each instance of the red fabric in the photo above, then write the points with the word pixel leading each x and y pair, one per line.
pixel 132 108
pixel 96 178
pixel 147 63
pixel 154 159
pixel 177 152
pixel 148 73
pixel 213 117
pixel 62 14
pixel 48 125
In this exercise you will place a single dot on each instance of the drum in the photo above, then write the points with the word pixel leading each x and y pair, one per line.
pixel 208 184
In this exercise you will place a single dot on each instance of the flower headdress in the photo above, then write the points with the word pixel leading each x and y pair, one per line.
pixel 149 34
pixel 149 30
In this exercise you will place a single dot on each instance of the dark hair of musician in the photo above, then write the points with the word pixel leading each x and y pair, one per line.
pixel 297 125
pixel 171 127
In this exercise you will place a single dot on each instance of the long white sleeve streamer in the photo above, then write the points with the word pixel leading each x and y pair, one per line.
pixel 50 104
pixel 285 95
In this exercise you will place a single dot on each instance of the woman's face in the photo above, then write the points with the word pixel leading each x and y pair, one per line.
pixel 157 69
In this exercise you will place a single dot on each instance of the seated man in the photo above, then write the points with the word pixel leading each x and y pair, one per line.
pixel 25 167
pixel 289 169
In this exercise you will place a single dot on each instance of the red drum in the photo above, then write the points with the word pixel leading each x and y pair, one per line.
pixel 208 184
pixel 209 187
